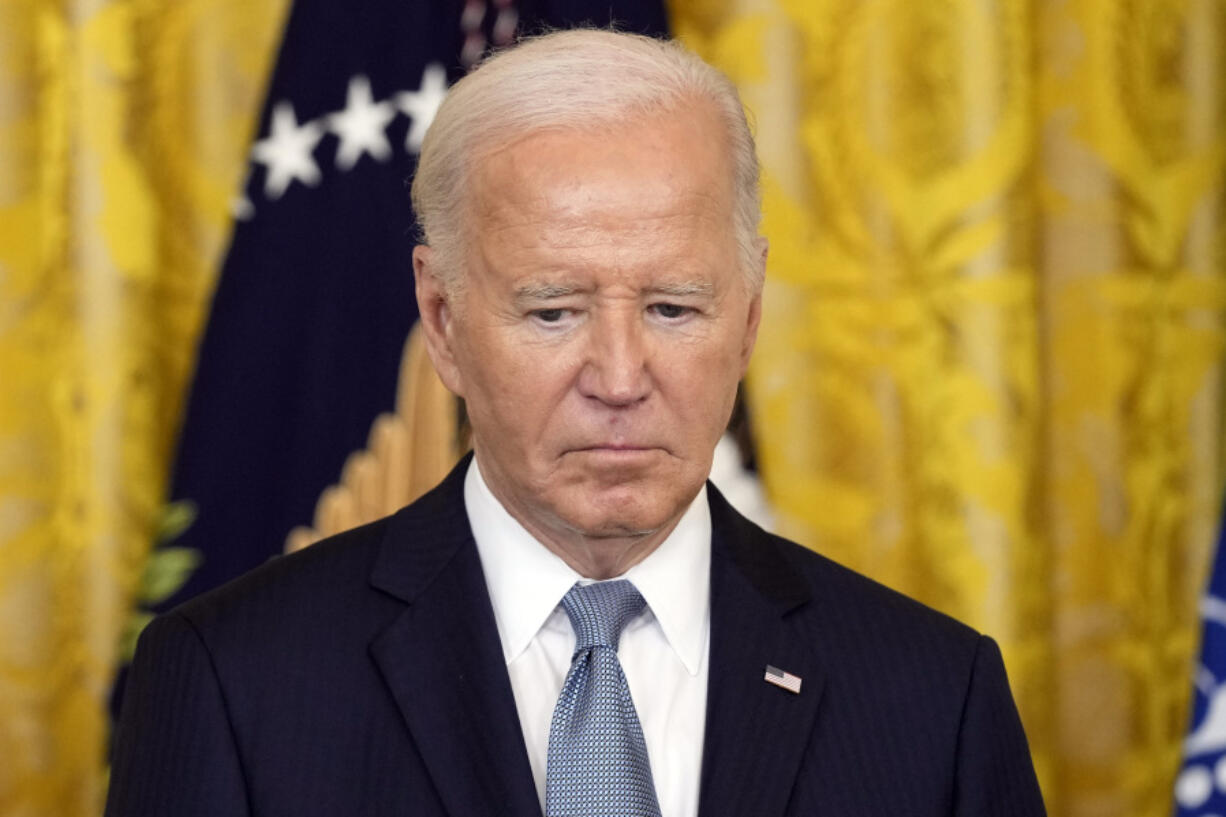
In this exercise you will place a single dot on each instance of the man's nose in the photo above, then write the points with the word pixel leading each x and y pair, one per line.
pixel 616 369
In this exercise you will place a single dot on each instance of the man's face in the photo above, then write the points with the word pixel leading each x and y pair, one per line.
pixel 603 323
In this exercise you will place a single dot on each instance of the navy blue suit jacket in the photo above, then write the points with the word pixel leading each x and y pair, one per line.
pixel 364 676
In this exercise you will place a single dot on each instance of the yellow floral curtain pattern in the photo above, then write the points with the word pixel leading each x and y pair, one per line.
pixel 990 366
pixel 123 127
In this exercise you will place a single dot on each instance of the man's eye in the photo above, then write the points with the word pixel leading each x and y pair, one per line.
pixel 670 311
pixel 548 315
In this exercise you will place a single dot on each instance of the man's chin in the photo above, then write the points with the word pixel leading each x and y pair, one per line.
pixel 626 511
pixel 616 529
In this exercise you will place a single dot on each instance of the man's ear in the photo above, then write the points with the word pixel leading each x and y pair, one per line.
pixel 437 318
pixel 754 318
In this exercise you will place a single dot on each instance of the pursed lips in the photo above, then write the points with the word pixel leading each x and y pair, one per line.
pixel 616 448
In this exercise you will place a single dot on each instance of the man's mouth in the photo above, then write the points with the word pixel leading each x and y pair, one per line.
pixel 617 450
pixel 617 447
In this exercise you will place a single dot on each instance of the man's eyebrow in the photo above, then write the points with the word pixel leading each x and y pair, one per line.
pixel 678 289
pixel 541 292
pixel 684 289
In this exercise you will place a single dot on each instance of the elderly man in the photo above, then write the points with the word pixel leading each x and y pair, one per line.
pixel 574 622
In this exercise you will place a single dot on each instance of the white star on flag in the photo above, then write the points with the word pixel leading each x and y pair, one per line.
pixel 287 151
pixel 361 125
pixel 422 104
pixel 241 208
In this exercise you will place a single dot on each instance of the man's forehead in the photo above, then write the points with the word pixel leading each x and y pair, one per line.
pixel 602 155
pixel 571 208
pixel 646 205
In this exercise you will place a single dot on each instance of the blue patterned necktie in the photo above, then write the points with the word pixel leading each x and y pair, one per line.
pixel 597 765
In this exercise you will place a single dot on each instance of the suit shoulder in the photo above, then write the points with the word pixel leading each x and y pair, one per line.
pixel 833 582
pixel 798 576
pixel 344 584
pixel 850 613
pixel 886 644
pixel 327 575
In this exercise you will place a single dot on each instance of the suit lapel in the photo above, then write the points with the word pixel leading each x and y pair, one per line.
pixel 443 663
pixel 442 659
pixel 756 733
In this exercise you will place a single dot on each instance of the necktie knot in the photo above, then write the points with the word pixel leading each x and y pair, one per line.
pixel 599 612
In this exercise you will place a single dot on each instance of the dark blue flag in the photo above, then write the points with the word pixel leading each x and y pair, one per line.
pixel 302 348
pixel 1200 788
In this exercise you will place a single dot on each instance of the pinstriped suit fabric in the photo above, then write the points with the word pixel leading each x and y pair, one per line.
pixel 364 676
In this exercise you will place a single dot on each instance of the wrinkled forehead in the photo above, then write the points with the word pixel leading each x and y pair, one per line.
pixel 639 207
pixel 659 162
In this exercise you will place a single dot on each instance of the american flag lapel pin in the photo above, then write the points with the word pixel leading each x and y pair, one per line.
pixel 785 680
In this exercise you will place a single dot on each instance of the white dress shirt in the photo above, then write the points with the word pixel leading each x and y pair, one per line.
pixel 663 651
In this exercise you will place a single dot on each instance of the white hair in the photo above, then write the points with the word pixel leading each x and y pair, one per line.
pixel 579 79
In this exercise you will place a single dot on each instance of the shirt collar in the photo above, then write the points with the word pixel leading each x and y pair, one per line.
pixel 527 581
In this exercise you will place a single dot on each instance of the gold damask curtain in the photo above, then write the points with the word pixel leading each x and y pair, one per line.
pixel 990 372
pixel 990 366
pixel 123 127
